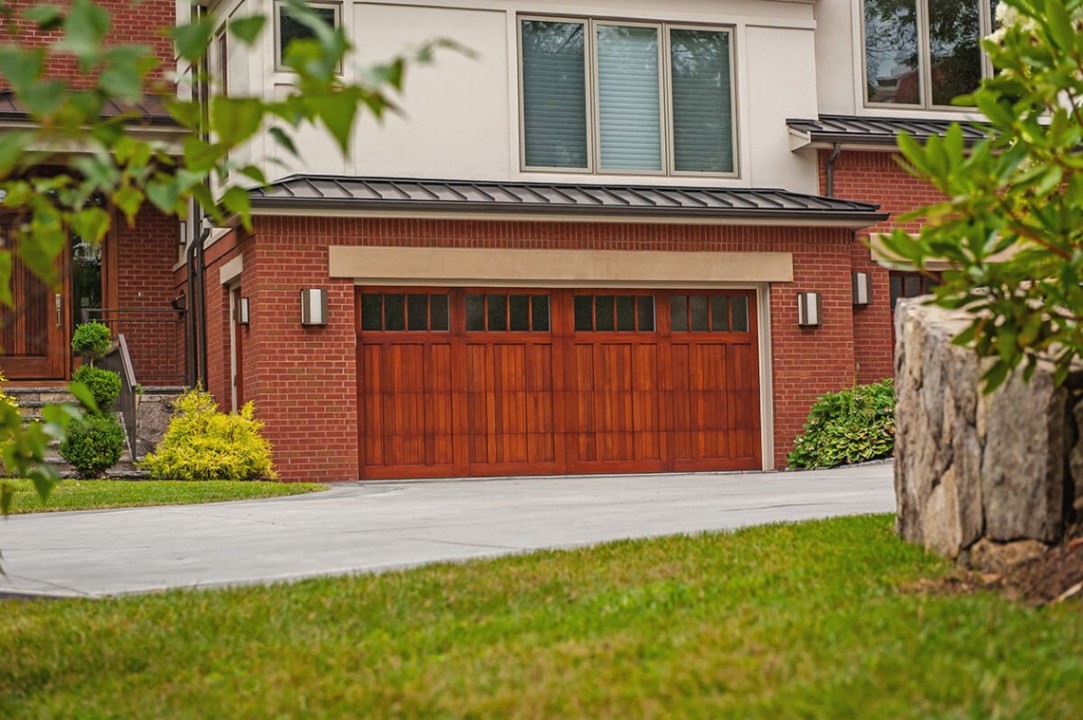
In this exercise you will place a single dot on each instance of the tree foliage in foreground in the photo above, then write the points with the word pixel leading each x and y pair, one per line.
pixel 49 195
pixel 1011 224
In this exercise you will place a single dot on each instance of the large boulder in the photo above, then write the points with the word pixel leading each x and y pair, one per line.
pixel 1001 468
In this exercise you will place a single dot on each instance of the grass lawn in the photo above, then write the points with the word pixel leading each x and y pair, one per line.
pixel 98 494
pixel 814 619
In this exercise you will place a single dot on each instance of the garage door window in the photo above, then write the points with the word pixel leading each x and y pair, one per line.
pixel 499 312
pixel 415 312
pixel 708 313
pixel 614 313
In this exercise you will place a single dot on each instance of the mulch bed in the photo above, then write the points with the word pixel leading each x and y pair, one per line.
pixel 1055 577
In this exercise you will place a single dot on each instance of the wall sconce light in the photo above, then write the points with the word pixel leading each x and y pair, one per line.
pixel 314 306
pixel 809 309
pixel 862 288
pixel 241 313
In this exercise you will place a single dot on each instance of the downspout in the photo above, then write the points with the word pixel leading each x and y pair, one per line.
pixel 196 285
pixel 197 301
pixel 836 150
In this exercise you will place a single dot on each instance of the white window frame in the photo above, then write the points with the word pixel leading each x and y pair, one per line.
pixel 278 49
pixel 925 71
pixel 665 79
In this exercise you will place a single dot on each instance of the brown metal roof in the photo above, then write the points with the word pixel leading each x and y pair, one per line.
pixel 370 193
pixel 151 110
pixel 879 131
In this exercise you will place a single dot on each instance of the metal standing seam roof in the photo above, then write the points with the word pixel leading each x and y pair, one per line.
pixel 374 193
pixel 151 110
pixel 879 131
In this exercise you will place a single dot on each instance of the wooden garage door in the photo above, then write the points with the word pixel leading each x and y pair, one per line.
pixel 497 382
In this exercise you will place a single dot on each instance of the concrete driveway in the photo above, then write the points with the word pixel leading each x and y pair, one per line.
pixel 379 526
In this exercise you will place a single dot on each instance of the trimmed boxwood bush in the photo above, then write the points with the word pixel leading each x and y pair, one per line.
pixel 850 426
pixel 204 444
pixel 91 340
pixel 94 444
pixel 104 385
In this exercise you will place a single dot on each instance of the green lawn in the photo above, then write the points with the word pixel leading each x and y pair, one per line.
pixel 804 620
pixel 99 494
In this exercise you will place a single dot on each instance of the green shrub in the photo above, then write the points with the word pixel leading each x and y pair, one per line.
pixel 850 426
pixel 91 340
pixel 204 444
pixel 104 385
pixel 93 445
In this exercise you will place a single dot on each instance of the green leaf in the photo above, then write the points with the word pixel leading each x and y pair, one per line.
pixel 284 140
pixel 13 146
pixel 200 156
pixel 255 173
pixel 193 39
pixel 21 68
pixel 83 394
pixel 84 30
pixel 90 224
pixel 247 29
pixel 186 112
pixel 46 17
pixel 236 201
pixel 1061 28
pixel 126 66
pixel 337 110
pixel 164 194
pixel 235 120
pixel 6 297
pixel 44 97
pixel 128 199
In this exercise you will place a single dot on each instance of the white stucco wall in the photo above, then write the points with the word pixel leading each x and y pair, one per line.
pixel 461 116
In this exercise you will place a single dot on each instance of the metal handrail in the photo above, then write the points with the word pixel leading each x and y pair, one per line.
pixel 120 361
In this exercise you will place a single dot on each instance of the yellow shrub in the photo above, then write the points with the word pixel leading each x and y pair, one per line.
pixel 204 444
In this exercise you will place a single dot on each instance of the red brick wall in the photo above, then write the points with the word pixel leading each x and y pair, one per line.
pixel 216 299
pixel 303 381
pixel 876 177
pixel 133 23
pixel 146 255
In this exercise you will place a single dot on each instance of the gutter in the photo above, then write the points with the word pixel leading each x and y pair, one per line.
pixel 350 207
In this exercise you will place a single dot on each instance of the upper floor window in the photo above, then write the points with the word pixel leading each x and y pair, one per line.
pixel 618 97
pixel 924 53
pixel 289 28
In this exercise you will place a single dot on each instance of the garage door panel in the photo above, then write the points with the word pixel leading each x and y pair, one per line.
pixel 553 397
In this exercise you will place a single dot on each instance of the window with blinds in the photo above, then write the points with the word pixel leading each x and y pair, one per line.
pixel 617 97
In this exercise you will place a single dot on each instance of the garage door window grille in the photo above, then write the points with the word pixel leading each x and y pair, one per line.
pixel 708 313
pixel 500 312
pixel 614 313
pixel 412 312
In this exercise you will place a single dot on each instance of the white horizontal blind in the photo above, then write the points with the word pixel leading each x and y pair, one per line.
pixel 554 94
pixel 702 101
pixel 629 119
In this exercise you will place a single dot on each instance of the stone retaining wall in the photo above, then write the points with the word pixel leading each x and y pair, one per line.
pixel 988 479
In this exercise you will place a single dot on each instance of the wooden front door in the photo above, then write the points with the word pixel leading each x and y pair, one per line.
pixel 498 382
pixel 33 332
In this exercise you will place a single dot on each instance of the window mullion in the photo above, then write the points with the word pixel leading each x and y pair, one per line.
pixel 665 99
pixel 925 52
pixel 593 103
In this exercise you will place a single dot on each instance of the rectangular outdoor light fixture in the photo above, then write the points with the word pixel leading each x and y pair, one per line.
pixel 314 306
pixel 241 313
pixel 862 288
pixel 809 309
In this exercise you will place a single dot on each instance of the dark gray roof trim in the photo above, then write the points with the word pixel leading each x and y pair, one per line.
pixel 365 193
pixel 150 110
pixel 878 131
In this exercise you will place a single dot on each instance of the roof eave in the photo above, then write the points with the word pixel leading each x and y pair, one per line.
pixel 824 218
